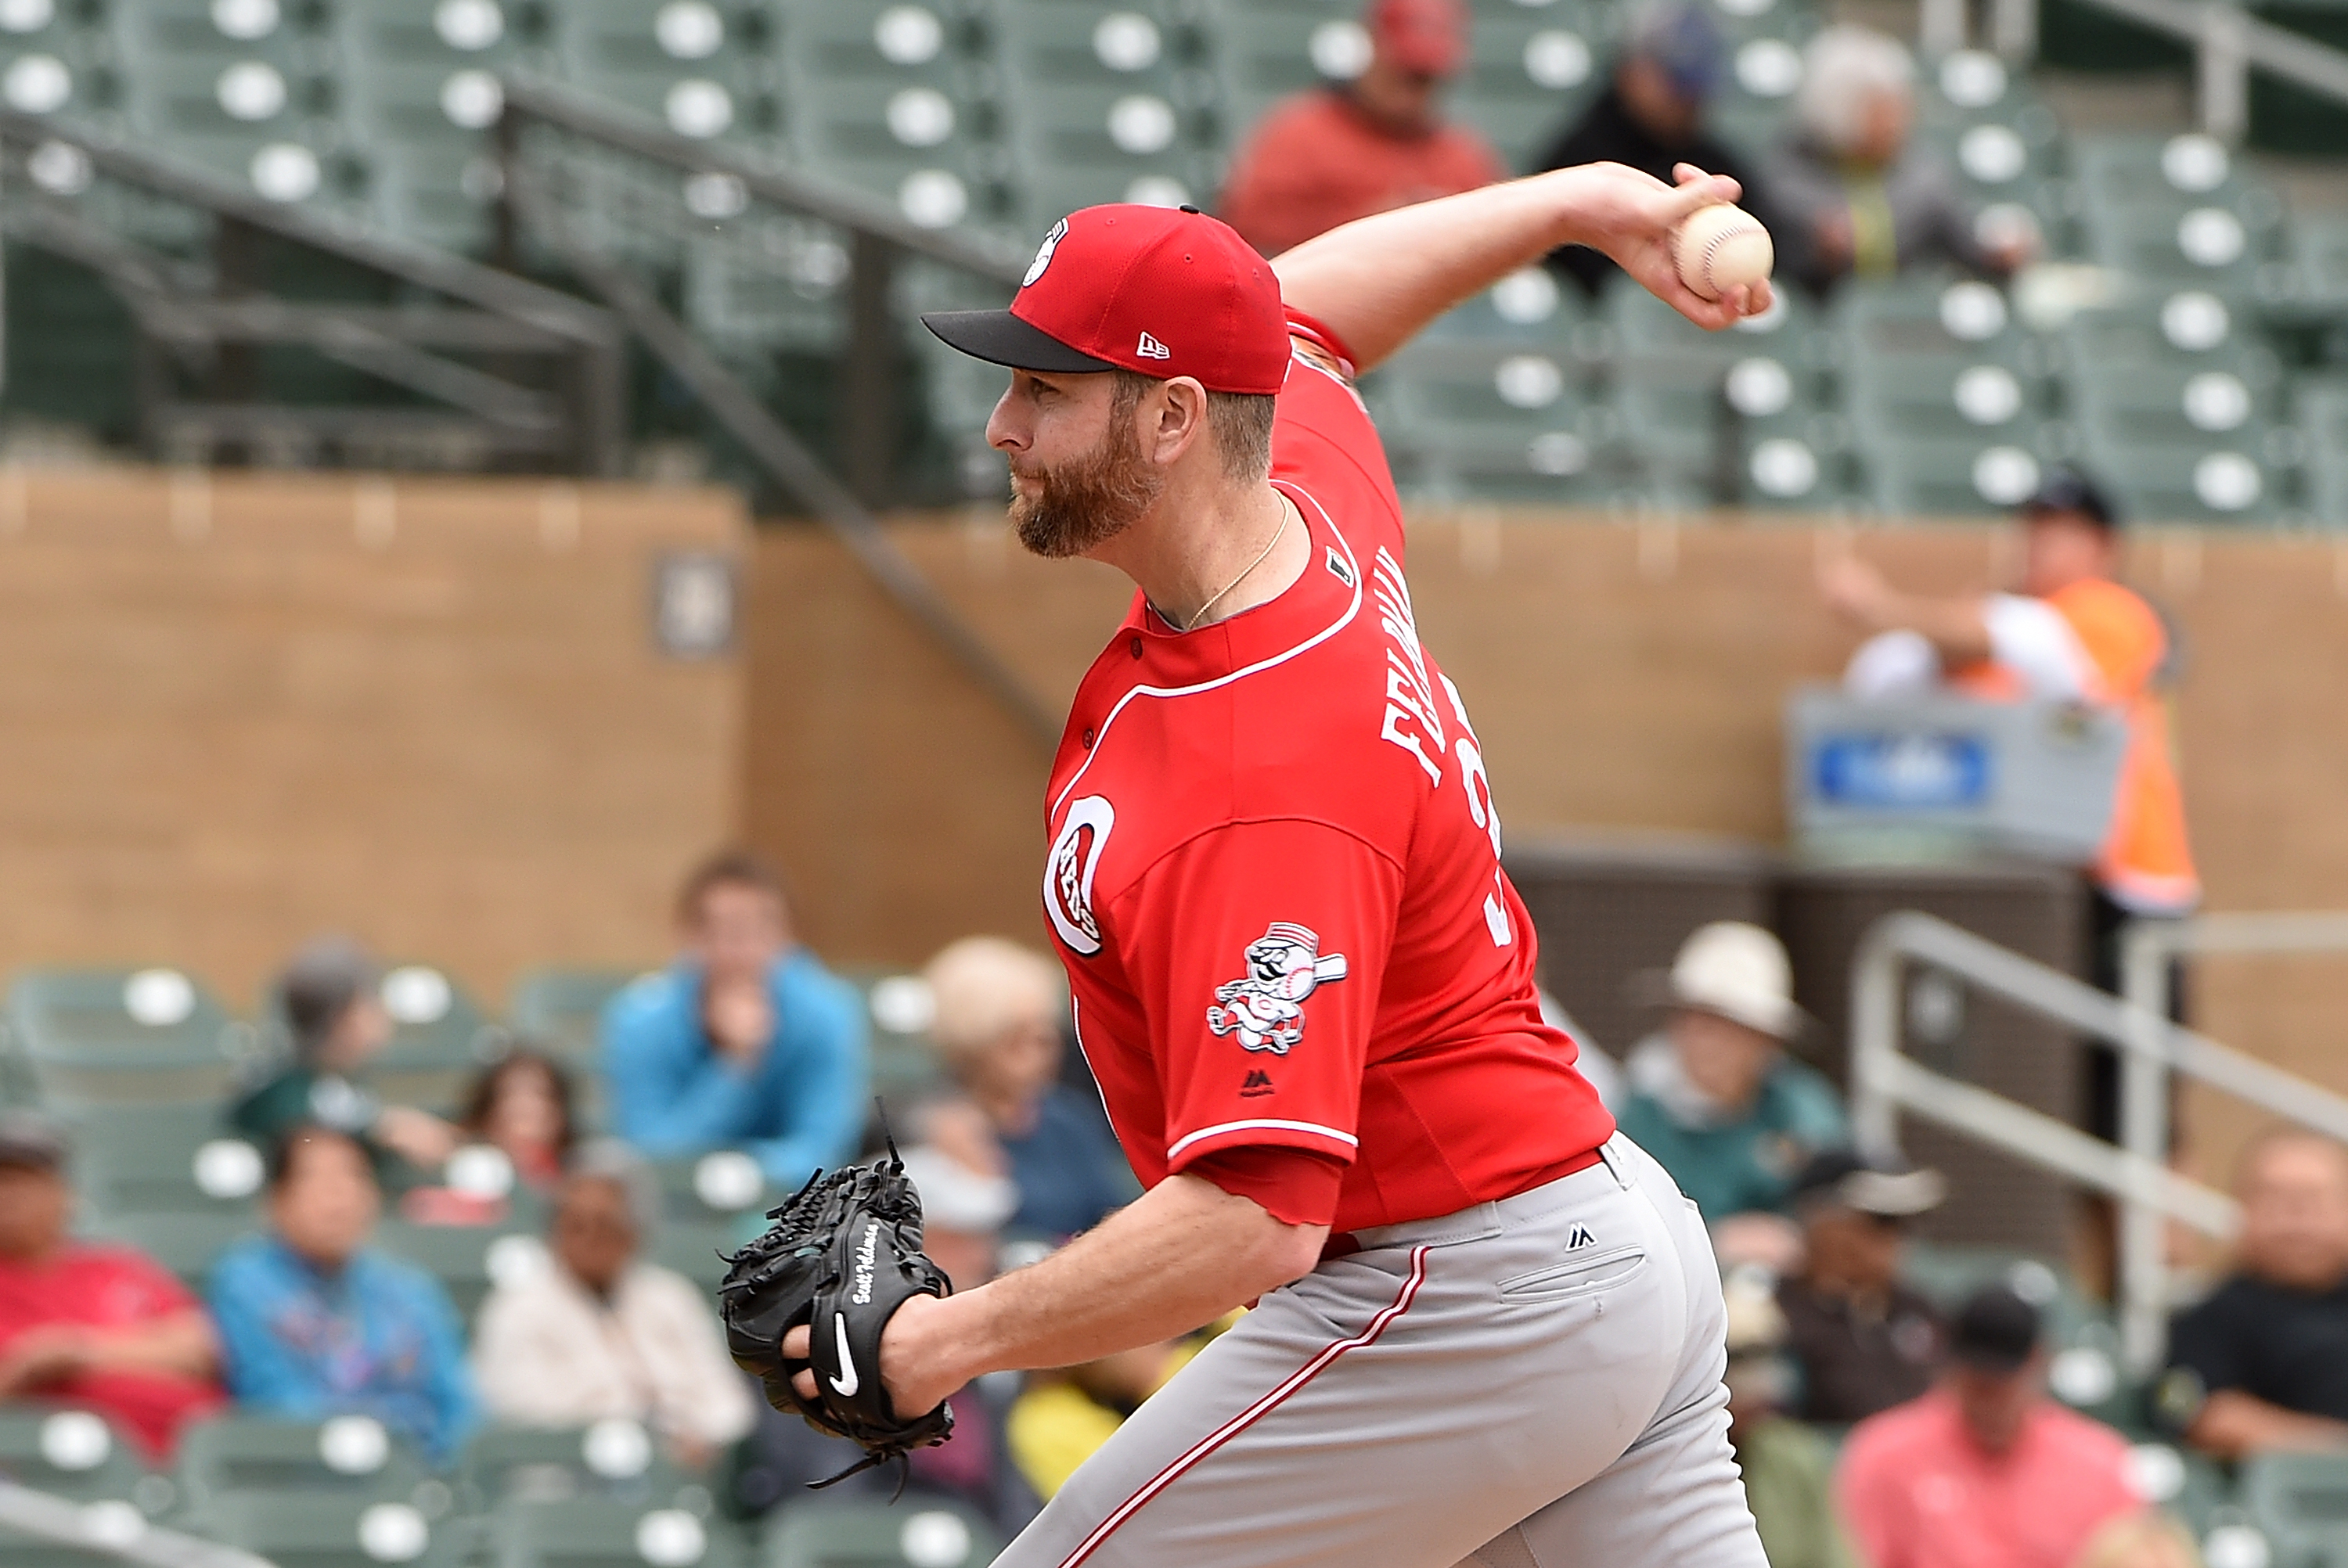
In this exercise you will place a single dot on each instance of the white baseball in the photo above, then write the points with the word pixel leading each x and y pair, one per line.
pixel 1716 248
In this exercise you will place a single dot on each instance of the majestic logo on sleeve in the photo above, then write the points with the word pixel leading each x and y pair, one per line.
pixel 1265 1007
pixel 1068 873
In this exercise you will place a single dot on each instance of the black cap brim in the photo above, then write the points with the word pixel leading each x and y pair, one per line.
pixel 1001 338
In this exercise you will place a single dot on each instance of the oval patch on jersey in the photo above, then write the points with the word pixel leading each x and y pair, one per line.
pixel 1068 873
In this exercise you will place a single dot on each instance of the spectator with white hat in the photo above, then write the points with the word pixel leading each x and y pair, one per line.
pixel 1714 1095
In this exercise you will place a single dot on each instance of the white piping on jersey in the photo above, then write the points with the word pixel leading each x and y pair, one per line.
pixel 1265 1125
pixel 1101 738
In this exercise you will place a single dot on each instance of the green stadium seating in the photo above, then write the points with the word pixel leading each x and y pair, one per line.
pixel 849 1535
pixel 697 1251
pixel 679 61
pixel 69 1454
pixel 440 1042
pixel 1264 50
pixel 2301 1502
pixel 2322 409
pixel 419 90
pixel 346 1461
pixel 615 1460
pixel 185 1243
pixel 99 1035
pixel 310 1530
pixel 1531 72
pixel 883 44
pixel 605 1532
pixel 1531 306
pixel 1940 396
pixel 466 1259
pixel 246 105
pixel 162 1159
pixel 1945 477
pixel 2218 482
pixel 560 1011
pixel 1088 142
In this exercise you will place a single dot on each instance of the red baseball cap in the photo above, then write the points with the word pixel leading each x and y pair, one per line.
pixel 1159 291
pixel 1429 36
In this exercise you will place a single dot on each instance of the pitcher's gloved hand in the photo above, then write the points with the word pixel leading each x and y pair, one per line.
pixel 842 1257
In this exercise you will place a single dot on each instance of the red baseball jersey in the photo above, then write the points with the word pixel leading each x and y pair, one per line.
pixel 1276 877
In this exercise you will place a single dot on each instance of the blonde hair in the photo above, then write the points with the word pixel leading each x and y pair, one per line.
pixel 984 987
pixel 1843 66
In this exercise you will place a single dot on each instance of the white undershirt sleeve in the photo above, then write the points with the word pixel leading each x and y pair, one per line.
pixel 2030 637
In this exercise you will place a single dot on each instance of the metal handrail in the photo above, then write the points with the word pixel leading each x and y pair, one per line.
pixel 2146 951
pixel 1885 1083
pixel 114 1530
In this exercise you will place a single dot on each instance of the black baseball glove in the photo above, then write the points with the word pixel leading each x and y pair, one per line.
pixel 842 1257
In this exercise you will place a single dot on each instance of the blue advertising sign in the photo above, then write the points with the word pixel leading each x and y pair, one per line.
pixel 1917 771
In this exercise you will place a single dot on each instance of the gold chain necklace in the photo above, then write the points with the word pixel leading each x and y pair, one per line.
pixel 1263 556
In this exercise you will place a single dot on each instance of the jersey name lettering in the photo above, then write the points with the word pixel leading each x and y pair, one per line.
pixel 1410 695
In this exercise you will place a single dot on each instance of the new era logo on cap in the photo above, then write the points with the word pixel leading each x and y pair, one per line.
pixel 1106 275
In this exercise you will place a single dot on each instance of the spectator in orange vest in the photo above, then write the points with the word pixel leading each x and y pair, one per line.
pixel 1335 153
pixel 2068 632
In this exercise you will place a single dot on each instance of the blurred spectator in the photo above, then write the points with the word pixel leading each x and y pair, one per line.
pixel 963 1210
pixel 2070 632
pixel 2264 1363
pixel 1862 1340
pixel 1853 195
pixel 999 1008
pixel 1985 1469
pixel 746 1041
pixel 314 1323
pixel 602 1332
pixel 521 1106
pixel 1651 117
pixel 85 1323
pixel 1064 1416
pixel 1788 1468
pixel 1714 1096
pixel 2146 1540
pixel 1335 153
pixel 336 1022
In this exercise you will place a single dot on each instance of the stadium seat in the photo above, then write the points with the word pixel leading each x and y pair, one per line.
pixel 880 44
pixel 343 1461
pixel 682 62
pixel 1942 396
pixel 617 1459
pixel 439 1043
pixel 419 82
pixel 697 1251
pixel 606 1533
pixel 1949 477
pixel 1264 50
pixel 1080 144
pixel 162 1159
pixel 68 1453
pixel 185 1243
pixel 316 1530
pixel 915 143
pixel 96 1035
pixel 1530 75
pixel 1529 306
pixel 230 87
pixel 466 1259
pixel 2218 480
pixel 2322 410
pixel 66 70
pixel 848 1536
pixel 2301 1502
pixel 2172 401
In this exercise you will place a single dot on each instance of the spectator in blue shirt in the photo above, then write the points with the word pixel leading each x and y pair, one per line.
pixel 746 1043
pixel 314 1324
pixel 997 1026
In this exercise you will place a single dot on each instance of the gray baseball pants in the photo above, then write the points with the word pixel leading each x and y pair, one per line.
pixel 1533 1383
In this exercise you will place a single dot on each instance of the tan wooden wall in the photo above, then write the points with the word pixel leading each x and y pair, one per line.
pixel 237 711
pixel 1621 677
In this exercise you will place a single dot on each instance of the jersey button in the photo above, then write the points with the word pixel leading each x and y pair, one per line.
pixel 1136 646
pixel 1088 737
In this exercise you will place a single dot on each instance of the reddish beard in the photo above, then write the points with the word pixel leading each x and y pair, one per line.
pixel 1087 501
